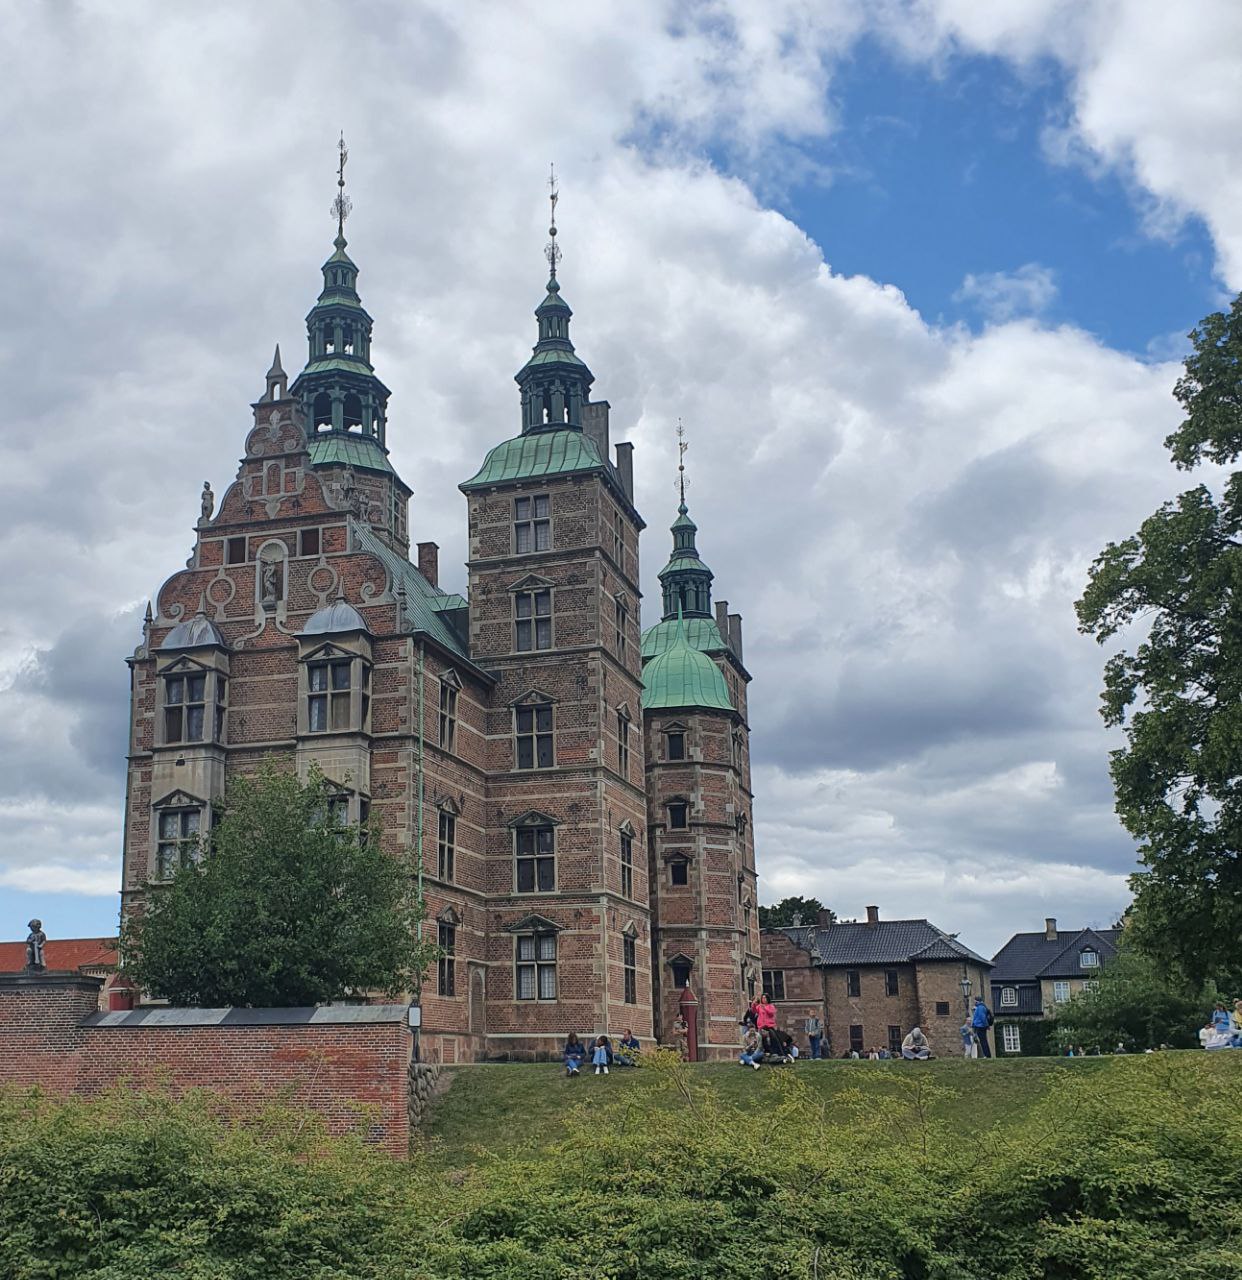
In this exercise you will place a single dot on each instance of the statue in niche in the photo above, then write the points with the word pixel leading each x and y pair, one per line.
pixel 209 500
pixel 34 946
pixel 270 581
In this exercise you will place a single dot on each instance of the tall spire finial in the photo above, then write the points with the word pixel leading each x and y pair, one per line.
pixel 682 446
pixel 553 250
pixel 342 205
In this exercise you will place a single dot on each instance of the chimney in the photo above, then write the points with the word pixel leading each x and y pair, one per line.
pixel 873 915
pixel 1050 928
pixel 625 466
pixel 722 619
pixel 735 634
pixel 823 917
pixel 429 562
pixel 595 425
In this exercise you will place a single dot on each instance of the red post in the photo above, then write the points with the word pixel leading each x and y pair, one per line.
pixel 689 1009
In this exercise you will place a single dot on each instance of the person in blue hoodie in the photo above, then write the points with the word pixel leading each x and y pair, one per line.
pixel 575 1054
pixel 980 1021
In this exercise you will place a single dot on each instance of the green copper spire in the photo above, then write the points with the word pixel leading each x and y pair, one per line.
pixel 683 677
pixel 686 580
pixel 555 383
pixel 338 389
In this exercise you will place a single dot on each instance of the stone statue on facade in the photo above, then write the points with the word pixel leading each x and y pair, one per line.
pixel 271 582
pixel 34 946
pixel 209 500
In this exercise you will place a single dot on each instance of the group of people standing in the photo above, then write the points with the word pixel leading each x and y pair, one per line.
pixel 1223 1029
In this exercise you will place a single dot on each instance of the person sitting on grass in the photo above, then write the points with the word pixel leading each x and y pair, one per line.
pixel 752 1049
pixel 575 1054
pixel 915 1046
pixel 627 1051
pixel 884 1055
pixel 602 1056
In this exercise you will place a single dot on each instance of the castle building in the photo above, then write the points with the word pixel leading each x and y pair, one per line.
pixel 575 793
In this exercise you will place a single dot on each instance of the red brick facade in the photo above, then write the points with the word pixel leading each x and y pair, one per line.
pixel 52 1036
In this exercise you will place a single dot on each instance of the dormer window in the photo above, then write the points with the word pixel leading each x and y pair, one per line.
pixel 1089 958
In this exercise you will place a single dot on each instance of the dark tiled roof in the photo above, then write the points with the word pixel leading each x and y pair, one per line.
pixel 885 942
pixel 1027 957
pixel 1029 999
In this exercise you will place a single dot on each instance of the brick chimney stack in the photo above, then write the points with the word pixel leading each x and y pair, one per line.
pixel 429 562
pixel 873 915
pixel 1050 928
pixel 823 917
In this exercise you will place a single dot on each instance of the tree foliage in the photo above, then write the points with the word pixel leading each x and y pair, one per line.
pixel 781 914
pixel 284 907
pixel 1178 692
pixel 1138 1003
pixel 1125 1169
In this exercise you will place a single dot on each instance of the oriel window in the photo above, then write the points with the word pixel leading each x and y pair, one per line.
pixel 532 620
pixel 178 840
pixel 184 708
pixel 328 697
pixel 532 529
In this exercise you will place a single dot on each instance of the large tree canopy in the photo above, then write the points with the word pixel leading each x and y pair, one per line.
pixel 285 907
pixel 781 914
pixel 1178 692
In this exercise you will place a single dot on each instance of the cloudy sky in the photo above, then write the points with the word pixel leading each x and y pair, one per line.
pixel 915 274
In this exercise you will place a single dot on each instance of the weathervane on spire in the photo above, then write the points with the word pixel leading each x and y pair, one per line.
pixel 682 446
pixel 342 205
pixel 553 251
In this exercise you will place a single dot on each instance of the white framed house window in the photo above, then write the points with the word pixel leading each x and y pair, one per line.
pixel 1089 959
pixel 1009 998
pixel 1060 992
pixel 1011 1038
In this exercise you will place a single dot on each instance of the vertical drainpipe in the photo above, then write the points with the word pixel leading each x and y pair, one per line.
pixel 418 839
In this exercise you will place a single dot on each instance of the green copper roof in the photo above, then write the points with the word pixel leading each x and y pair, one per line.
pixel 683 677
pixel 554 355
pixel 339 364
pixel 350 449
pixel 542 453
pixel 701 633
pixel 678 562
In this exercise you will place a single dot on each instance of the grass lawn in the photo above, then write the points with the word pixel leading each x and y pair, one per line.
pixel 496 1107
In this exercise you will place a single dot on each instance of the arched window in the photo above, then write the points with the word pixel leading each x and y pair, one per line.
pixel 353 413
pixel 321 411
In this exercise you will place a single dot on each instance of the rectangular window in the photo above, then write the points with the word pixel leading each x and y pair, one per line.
pixel 532 530
pixel 942 1008
pixel 534 737
pixel 1009 997
pixel 894 1040
pixel 629 962
pixel 222 696
pixel 853 985
pixel 1091 986
pixel 1060 992
pixel 681 974
pixel 448 716
pixel 532 612
pixel 622 625
pixel 446 846
pixel 184 708
pixel 338 809
pixel 676 746
pixel 627 865
pixel 178 841
pixel 618 542
pixel 623 744
pixel 1089 960
pixel 1011 1038
pixel 447 964
pixel 857 1044
pixel 235 551
pixel 536 860
pixel 774 983
pixel 678 815
pixel 328 685
pixel 679 871
pixel 892 983
pixel 308 542
pixel 536 966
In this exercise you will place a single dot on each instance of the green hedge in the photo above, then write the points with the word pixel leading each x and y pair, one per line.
pixel 1132 1171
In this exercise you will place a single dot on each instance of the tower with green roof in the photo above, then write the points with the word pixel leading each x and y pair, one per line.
pixel 702 861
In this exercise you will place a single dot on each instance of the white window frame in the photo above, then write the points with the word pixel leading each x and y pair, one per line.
pixel 1089 958
pixel 1009 997
pixel 1060 992
pixel 1011 1038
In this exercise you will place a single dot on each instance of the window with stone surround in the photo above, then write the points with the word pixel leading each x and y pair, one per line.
pixel 532 526
pixel 446 965
pixel 681 968
pixel 676 745
pixel 178 844
pixel 629 965
pixel 331 685
pixel 622 622
pixel 535 852
pixel 185 707
pixel 892 982
pixel 235 551
pixel 308 542
pixel 853 983
pixel 448 715
pixel 774 983
pixel 532 620
pixel 446 846
pixel 627 865
pixel 857 1043
pixel 533 737
pixel 618 542
pixel 679 872
pixel 623 743
pixel 678 815
pixel 536 966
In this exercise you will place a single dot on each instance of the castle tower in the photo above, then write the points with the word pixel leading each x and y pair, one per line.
pixel 702 863
pixel 554 618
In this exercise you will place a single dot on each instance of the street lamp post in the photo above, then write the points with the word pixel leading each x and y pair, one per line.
pixel 965 986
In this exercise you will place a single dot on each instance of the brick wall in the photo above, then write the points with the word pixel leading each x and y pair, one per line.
pixel 350 1065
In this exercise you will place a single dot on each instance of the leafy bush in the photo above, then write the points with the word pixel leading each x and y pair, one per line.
pixel 1128 1169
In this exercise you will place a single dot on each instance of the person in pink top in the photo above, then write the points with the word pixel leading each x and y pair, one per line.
pixel 765 1012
